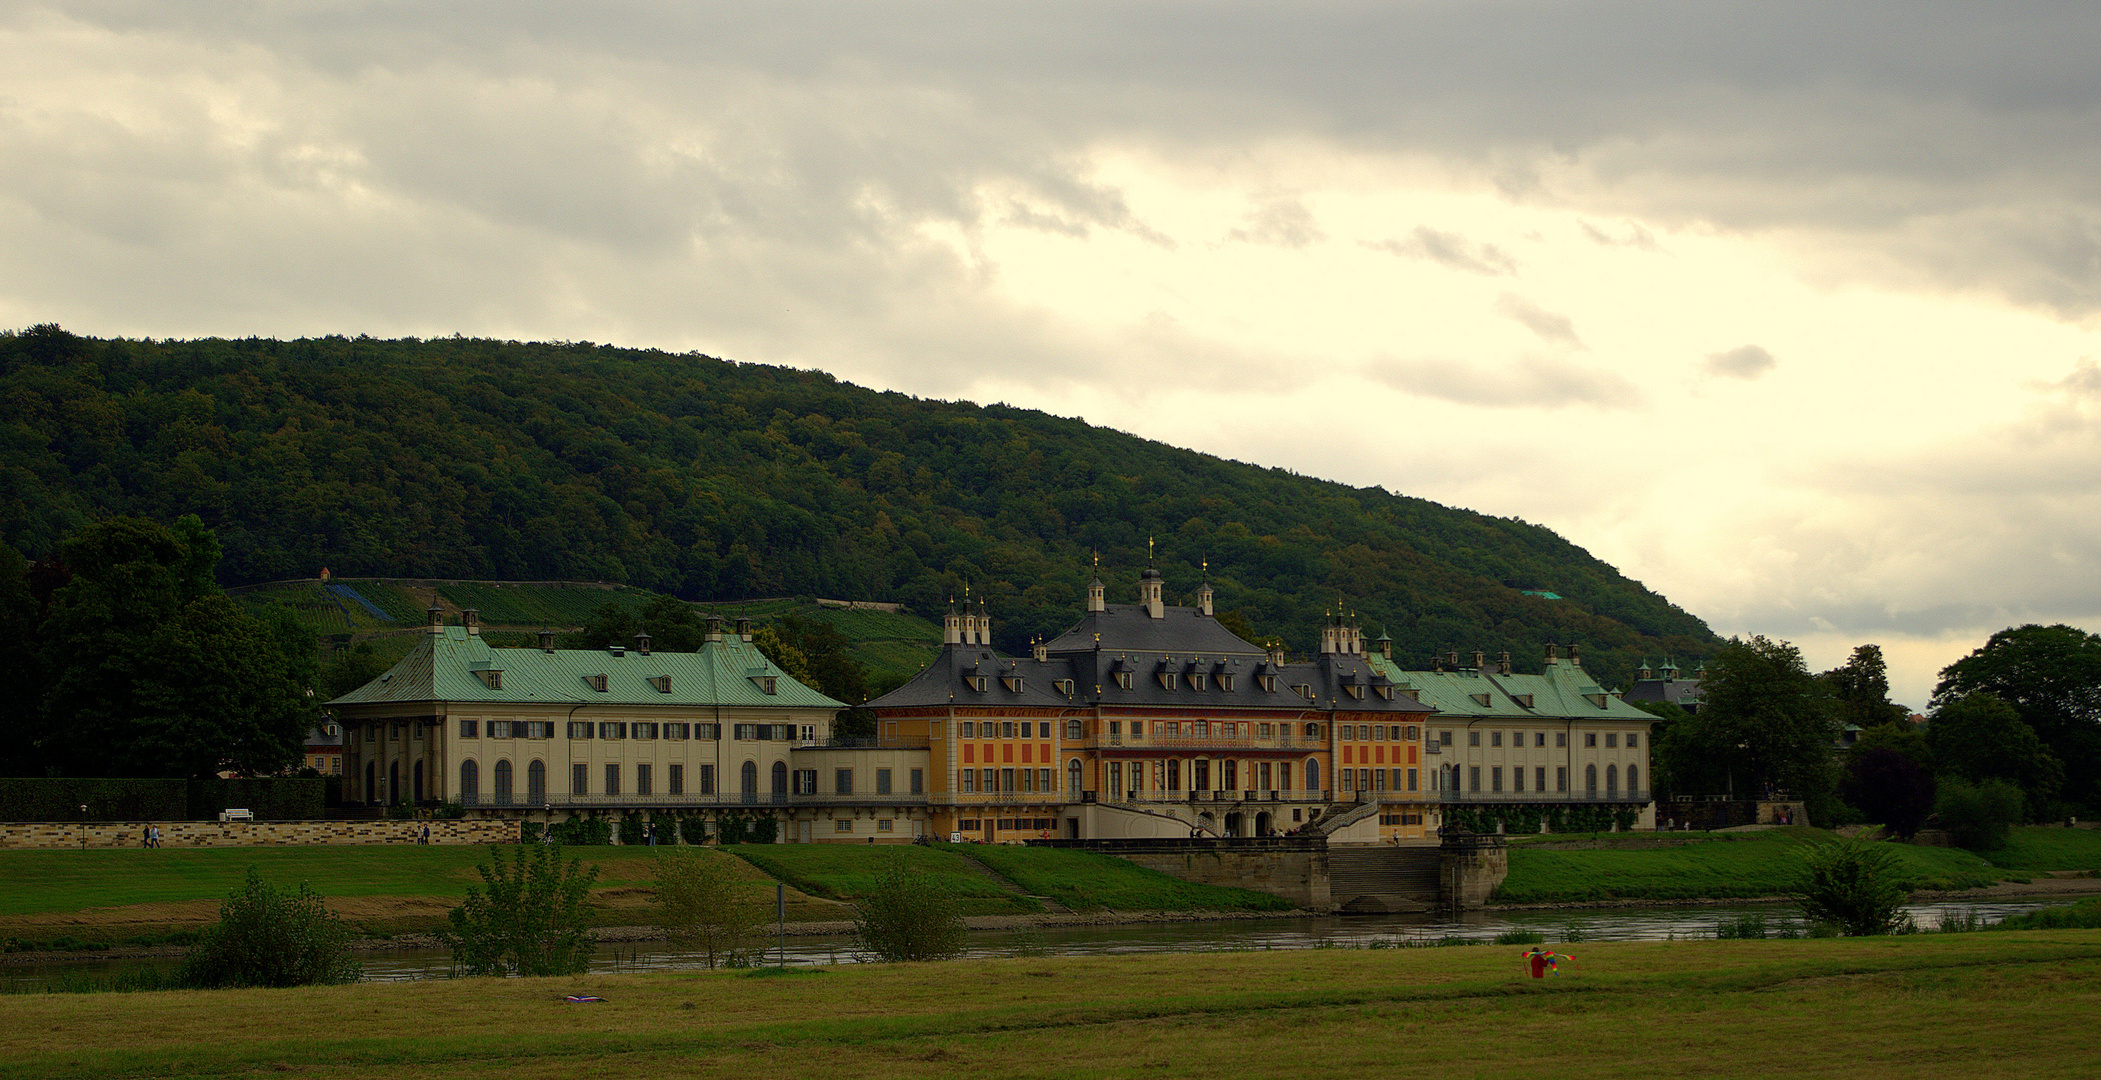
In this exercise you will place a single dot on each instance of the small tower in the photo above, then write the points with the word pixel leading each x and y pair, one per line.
pixel 1203 592
pixel 435 615
pixel 471 619
pixel 642 642
pixel 1097 593
pixel 546 637
pixel 951 625
pixel 1149 586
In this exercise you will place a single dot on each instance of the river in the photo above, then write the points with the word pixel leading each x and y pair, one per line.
pixel 1559 926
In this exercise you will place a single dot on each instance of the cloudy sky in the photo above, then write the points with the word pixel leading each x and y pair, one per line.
pixel 1787 310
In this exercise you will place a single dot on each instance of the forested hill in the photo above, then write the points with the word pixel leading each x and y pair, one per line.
pixel 712 479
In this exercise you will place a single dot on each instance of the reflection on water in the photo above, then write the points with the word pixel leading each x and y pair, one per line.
pixel 1612 924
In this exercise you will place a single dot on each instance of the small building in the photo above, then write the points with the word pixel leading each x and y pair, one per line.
pixel 323 751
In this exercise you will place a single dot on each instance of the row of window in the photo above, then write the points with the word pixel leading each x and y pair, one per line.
pixel 1377 732
pixel 846 825
pixel 843 781
pixel 1539 778
pixel 1003 781
pixel 1167 775
pixel 1539 739
pixel 1400 819
pixel 1377 779
pixel 1010 729
pixel 1041 824
pixel 634 729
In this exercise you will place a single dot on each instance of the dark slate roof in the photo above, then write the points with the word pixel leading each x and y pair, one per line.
pixel 1129 628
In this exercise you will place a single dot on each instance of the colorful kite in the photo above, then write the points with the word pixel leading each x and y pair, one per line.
pixel 1543 962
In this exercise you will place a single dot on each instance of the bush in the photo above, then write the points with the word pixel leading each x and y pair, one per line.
pixel 908 917
pixel 1980 816
pixel 533 919
pixel 2084 915
pixel 703 906
pixel 582 832
pixel 1852 887
pixel 273 798
pixel 269 937
pixel 692 829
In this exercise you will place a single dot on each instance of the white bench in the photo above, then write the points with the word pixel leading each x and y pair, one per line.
pixel 236 815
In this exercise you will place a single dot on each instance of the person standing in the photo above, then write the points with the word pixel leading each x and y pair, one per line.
pixel 146 836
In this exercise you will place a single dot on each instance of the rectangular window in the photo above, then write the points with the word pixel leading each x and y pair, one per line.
pixel 1539 738
pixel 783 732
pixel 707 779
pixel 989 779
pixel 1539 779
pixel 1006 780
pixel 918 781
pixel 642 731
pixel 882 781
pixel 1444 738
pixel 809 731
pixel 1473 738
pixel 1612 740
pixel 1137 728
pixel 745 732
pixel 1412 779
pixel 844 824
pixel 499 729
pixel 612 778
pixel 1517 778
pixel 1560 778
pixel 1115 727
pixel 843 781
pixel 1174 728
pixel 579 779
pixel 967 729
pixel 806 781
pixel 1006 729
pixel 1379 779
pixel 1495 738
pixel 883 825
pixel 1044 782
pixel 677 779
pixel 1495 778
pixel 1631 736
pixel 1028 780
pixel 1200 728
pixel 642 779
pixel 1474 778
pixel 1517 739
pixel 678 731
pixel 467 729
pixel 707 731
pixel 612 730
pixel 1262 731
pixel 1590 739
pixel 1561 740
pixel 970 780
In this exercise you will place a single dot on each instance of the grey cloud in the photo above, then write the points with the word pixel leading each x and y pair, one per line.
pixel 1742 362
pixel 1280 223
pixel 1637 237
pixel 1530 382
pixel 1550 325
pixel 1449 249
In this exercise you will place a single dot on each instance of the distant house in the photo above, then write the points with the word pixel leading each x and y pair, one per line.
pixel 323 752
pixel 1667 684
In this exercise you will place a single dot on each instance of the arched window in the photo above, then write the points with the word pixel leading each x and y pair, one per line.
pixel 1312 732
pixel 1072 778
pixel 750 777
pixel 1612 779
pixel 1312 773
pixel 1074 732
pixel 1137 777
pixel 470 782
pixel 1634 780
pixel 1200 774
pixel 1590 779
pixel 536 782
pixel 780 781
pixel 503 783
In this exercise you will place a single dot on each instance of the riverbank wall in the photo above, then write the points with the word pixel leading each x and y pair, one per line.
pixel 75 835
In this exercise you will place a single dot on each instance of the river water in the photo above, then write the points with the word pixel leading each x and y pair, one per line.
pixel 1558 926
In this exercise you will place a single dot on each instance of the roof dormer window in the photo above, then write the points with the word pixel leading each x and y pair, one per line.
pixel 1196 680
pixel 662 683
pixel 1225 683
pixel 596 682
pixel 1064 686
pixel 768 684
pixel 1123 679
pixel 1354 690
pixel 1167 680
pixel 1012 683
pixel 491 678
pixel 1269 683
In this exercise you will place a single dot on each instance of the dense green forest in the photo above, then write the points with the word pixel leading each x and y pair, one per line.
pixel 714 480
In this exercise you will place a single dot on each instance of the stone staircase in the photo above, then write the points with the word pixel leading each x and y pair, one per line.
pixel 1375 881
pixel 1006 883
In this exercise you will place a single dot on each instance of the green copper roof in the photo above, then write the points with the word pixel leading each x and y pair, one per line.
pixel 1563 691
pixel 453 666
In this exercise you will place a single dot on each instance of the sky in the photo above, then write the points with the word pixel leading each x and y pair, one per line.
pixel 1787 310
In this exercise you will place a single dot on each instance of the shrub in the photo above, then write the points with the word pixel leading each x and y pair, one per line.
pixel 582 831
pixel 692 829
pixel 271 937
pixel 1851 886
pixel 2084 915
pixel 732 829
pixel 1520 937
pixel 703 906
pixel 908 917
pixel 533 919
pixel 1979 816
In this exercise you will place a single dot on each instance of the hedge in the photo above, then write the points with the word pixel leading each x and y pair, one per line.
pixel 36 798
pixel 271 798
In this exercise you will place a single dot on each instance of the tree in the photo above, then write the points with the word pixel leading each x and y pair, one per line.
pixel 1764 722
pixel 704 906
pixel 2051 675
pixel 1851 885
pixel 1859 690
pixel 532 917
pixel 1979 816
pixel 673 626
pixel 271 937
pixel 1889 787
pixel 908 916
pixel 153 671
pixel 1977 737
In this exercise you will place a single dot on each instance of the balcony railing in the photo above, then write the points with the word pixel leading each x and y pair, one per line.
pixel 1624 795
pixel 1224 796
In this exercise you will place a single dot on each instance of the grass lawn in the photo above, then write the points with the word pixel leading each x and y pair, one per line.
pixel 1707 865
pixel 1860 1009
pixel 844 871
pixel 1085 881
pixel 2047 847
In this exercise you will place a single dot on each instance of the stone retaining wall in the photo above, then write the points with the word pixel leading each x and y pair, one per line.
pixel 191 834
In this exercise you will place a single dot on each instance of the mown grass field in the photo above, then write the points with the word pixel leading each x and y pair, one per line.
pixel 1652 867
pixel 2047 847
pixel 1085 881
pixel 842 872
pixel 1860 1009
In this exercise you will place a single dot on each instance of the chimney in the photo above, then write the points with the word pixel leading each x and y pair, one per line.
pixel 1480 660
pixel 1553 654
pixel 1503 663
pixel 472 619
pixel 714 628
pixel 546 640
pixel 1575 655
pixel 744 629
pixel 436 615
pixel 642 642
